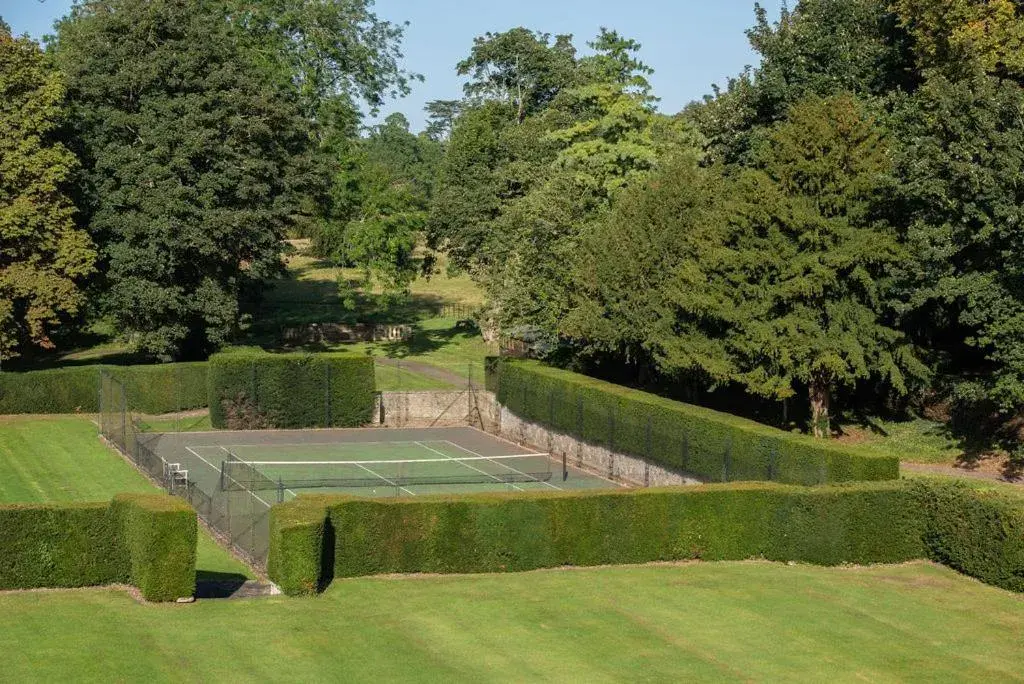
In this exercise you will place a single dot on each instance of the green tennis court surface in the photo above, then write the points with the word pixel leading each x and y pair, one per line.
pixel 368 462
pixel 234 478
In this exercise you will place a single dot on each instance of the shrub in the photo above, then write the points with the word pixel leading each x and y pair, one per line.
pixel 976 531
pixel 250 388
pixel 147 540
pixel 300 538
pixel 158 533
pixel 709 444
pixel 863 523
pixel 156 389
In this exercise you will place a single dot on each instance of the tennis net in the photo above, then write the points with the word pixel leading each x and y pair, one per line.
pixel 263 475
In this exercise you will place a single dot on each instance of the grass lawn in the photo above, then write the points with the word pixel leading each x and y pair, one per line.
pixel 917 441
pixel 703 621
pixel 60 458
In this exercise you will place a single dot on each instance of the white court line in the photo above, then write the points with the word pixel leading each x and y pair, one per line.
pixel 469 451
pixel 397 461
pixel 495 477
pixel 393 484
pixel 254 494
pixel 306 444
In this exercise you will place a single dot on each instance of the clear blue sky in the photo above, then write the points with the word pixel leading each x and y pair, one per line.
pixel 689 43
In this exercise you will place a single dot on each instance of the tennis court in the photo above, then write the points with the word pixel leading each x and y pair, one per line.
pixel 234 478
pixel 365 462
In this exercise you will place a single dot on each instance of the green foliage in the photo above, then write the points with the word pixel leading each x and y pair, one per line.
pixel 148 540
pixel 299 535
pixel 862 523
pixel 163 388
pixel 192 162
pixel 388 189
pixel 977 532
pixel 519 67
pixel 712 445
pixel 644 275
pixel 253 389
pixel 65 545
pixel 808 265
pixel 158 534
pixel 43 256
pixel 959 167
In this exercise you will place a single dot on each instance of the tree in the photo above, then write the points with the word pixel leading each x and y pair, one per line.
pixel 647 287
pixel 393 178
pixel 959 167
pixel 518 67
pixel 192 165
pixel 43 256
pixel 329 50
pixel 955 33
pixel 441 116
pixel 820 47
pixel 809 260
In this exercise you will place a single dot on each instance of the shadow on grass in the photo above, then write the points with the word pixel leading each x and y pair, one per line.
pixel 210 584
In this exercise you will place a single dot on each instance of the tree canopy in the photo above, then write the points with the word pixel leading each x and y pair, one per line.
pixel 43 255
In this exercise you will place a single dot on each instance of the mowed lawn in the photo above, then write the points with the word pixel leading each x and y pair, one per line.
pixel 693 622
pixel 61 458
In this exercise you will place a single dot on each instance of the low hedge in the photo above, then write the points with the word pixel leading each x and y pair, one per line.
pixel 148 540
pixel 978 531
pixel 154 389
pixel 712 445
pixel 252 389
pixel 863 523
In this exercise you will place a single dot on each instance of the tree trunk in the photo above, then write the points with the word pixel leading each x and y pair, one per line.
pixel 821 396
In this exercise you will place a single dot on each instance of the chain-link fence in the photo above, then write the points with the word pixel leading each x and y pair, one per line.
pixel 239 517
pixel 713 453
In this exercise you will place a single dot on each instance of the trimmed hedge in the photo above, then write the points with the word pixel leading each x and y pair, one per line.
pixel 301 537
pixel 712 445
pixel 158 534
pixel 148 540
pixel 979 532
pixel 863 523
pixel 155 389
pixel 255 389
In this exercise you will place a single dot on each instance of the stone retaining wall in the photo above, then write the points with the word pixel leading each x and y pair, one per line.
pixel 418 409
pixel 481 409
pixel 597 459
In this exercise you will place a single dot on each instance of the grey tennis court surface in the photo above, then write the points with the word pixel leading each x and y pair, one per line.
pixel 385 461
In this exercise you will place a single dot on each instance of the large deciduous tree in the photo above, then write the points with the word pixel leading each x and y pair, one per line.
pixel 43 256
pixel 193 161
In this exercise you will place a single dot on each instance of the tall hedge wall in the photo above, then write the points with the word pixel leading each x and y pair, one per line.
pixel 978 531
pixel 863 523
pixel 148 540
pixel 155 389
pixel 255 389
pixel 712 445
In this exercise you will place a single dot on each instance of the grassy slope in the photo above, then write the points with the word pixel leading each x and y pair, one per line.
pixel 60 458
pixel 706 622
